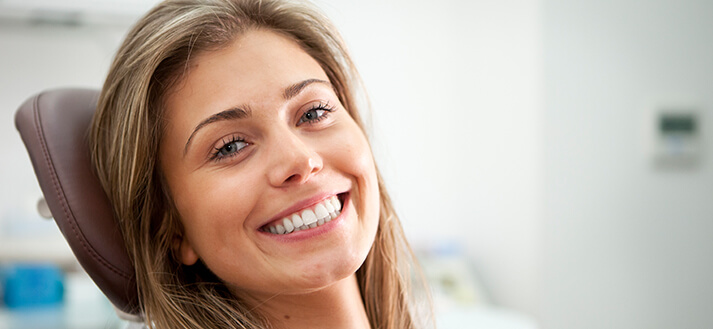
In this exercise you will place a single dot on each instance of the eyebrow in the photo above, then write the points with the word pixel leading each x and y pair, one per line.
pixel 296 88
pixel 229 114
pixel 243 112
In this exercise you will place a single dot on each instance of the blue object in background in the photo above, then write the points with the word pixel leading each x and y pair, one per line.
pixel 31 285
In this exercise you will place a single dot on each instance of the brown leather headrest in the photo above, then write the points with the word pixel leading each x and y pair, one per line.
pixel 54 126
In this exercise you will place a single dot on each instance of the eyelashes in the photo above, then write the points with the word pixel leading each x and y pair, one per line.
pixel 316 113
pixel 229 148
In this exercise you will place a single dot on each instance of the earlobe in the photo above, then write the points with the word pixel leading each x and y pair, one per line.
pixel 184 251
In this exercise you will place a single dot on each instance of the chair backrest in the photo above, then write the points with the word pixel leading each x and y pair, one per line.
pixel 54 126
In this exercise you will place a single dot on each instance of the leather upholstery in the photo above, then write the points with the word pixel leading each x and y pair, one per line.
pixel 54 126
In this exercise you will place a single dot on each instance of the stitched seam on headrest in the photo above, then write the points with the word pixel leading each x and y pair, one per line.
pixel 62 200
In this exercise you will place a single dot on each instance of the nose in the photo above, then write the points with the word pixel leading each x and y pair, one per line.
pixel 293 161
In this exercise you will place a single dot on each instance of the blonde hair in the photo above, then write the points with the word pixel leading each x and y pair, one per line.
pixel 125 135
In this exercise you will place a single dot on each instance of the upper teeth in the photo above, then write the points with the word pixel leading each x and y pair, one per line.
pixel 321 213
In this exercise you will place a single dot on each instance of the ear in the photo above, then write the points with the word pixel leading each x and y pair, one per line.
pixel 184 250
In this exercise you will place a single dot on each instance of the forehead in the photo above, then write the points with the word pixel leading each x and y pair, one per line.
pixel 252 69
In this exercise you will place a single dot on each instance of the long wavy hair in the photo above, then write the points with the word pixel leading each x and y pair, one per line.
pixel 125 134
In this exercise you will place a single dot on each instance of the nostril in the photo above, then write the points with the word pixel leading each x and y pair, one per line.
pixel 295 168
pixel 292 178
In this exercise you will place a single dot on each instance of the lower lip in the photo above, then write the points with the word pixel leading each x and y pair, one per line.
pixel 313 232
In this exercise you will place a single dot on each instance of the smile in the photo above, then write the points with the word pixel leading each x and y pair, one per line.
pixel 312 217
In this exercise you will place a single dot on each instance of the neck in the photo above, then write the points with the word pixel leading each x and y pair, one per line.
pixel 336 306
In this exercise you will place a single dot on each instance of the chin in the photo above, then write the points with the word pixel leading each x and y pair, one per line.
pixel 338 264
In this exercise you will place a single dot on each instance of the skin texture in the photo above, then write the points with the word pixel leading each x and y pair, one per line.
pixel 285 163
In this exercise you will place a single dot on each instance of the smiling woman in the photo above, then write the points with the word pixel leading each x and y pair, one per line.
pixel 278 159
pixel 229 141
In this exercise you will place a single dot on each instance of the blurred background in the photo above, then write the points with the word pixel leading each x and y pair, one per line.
pixel 550 160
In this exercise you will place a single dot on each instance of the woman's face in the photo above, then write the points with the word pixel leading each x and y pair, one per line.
pixel 257 143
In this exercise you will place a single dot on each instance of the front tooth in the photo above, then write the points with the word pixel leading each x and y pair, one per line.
pixel 297 220
pixel 280 229
pixel 288 225
pixel 320 211
pixel 308 217
pixel 335 202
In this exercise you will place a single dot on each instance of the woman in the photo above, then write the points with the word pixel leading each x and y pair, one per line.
pixel 228 139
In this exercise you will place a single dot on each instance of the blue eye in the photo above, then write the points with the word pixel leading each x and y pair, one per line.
pixel 315 114
pixel 229 148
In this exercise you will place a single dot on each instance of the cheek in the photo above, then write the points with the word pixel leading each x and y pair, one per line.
pixel 355 158
pixel 209 209
pixel 351 152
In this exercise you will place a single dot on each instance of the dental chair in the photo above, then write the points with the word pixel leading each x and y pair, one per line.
pixel 54 126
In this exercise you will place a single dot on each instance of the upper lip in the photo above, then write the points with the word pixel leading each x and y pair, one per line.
pixel 304 204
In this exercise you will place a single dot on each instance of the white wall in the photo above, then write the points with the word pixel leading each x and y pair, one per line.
pixel 626 245
pixel 455 88
pixel 455 93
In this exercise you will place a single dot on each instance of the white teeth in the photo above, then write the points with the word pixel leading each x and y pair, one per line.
pixel 297 220
pixel 328 205
pixel 308 217
pixel 322 213
pixel 288 225
pixel 335 202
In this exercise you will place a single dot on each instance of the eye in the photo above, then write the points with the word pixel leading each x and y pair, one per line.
pixel 315 114
pixel 229 148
